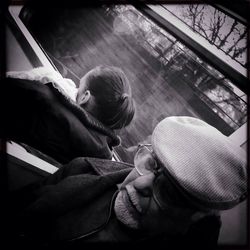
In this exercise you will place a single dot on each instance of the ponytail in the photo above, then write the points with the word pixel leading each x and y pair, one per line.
pixel 114 105
pixel 125 112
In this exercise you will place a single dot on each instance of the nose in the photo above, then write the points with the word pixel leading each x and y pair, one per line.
pixel 144 184
pixel 130 178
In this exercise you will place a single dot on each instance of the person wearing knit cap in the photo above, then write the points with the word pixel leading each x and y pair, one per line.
pixel 191 169
pixel 173 194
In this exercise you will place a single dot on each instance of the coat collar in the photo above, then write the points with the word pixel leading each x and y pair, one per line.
pixel 86 118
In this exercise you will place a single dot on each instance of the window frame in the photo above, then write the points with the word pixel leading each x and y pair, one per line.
pixel 240 81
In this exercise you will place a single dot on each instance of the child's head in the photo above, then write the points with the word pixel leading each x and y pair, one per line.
pixel 105 92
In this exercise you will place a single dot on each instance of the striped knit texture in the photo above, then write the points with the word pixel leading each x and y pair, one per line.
pixel 202 160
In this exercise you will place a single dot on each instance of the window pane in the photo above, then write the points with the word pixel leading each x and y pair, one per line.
pixel 219 29
pixel 167 78
pixel 19 54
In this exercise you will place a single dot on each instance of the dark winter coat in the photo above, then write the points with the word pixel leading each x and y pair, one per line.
pixel 75 206
pixel 43 117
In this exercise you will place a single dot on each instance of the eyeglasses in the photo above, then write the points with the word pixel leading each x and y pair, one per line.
pixel 160 183
pixel 152 167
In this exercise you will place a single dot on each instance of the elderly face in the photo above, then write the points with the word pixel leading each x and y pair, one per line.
pixel 135 205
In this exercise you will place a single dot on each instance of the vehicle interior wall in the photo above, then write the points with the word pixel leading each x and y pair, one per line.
pixel 16 57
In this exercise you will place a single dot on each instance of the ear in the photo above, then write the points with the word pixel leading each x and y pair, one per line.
pixel 85 97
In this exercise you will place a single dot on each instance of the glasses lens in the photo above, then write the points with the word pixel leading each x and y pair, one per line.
pixel 149 167
pixel 142 170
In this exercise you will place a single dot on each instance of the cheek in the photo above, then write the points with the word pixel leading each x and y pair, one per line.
pixel 151 223
pixel 151 219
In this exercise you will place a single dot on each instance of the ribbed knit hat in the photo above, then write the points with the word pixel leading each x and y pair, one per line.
pixel 204 165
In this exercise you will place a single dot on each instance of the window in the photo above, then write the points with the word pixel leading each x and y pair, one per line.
pixel 219 29
pixel 18 47
pixel 167 77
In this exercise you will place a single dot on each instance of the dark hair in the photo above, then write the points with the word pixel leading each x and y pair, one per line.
pixel 113 103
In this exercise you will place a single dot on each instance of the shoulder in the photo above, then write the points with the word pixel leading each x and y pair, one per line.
pixel 90 166
pixel 104 166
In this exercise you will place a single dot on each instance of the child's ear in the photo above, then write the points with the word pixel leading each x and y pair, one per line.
pixel 85 97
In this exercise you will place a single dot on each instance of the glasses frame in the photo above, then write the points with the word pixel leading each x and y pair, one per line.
pixel 155 171
pixel 158 170
pixel 138 149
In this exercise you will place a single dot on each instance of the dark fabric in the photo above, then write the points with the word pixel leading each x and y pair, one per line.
pixel 42 117
pixel 72 207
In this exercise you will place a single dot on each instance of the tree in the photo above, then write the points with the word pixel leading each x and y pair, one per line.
pixel 218 29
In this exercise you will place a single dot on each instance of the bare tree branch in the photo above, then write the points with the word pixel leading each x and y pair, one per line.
pixel 215 25
pixel 212 25
pixel 224 40
pixel 237 41
pixel 238 52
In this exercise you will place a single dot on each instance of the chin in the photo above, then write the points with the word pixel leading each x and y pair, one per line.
pixel 124 212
